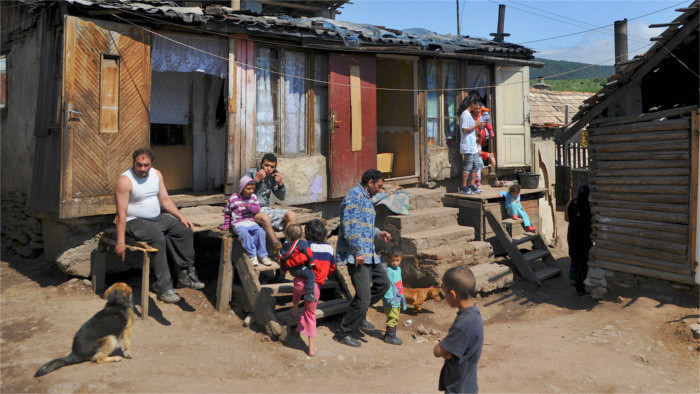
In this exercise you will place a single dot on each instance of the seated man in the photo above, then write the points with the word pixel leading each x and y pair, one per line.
pixel 140 192
pixel 269 180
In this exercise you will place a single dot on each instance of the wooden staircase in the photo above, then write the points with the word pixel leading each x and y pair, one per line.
pixel 536 265
pixel 266 292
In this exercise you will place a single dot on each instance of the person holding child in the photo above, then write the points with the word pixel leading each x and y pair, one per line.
pixel 299 261
pixel 240 211
pixel 468 143
pixel 461 348
pixel 513 207
pixel 324 266
pixel 394 300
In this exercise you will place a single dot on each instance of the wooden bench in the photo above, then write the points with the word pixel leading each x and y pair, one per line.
pixel 108 240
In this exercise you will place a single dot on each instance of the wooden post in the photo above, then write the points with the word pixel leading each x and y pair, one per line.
pixel 99 268
pixel 145 277
pixel 225 281
pixel 233 167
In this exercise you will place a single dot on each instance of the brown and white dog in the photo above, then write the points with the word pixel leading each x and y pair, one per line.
pixel 103 334
pixel 417 297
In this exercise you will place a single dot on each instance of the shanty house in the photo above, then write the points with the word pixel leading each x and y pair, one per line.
pixel 210 89
pixel 643 142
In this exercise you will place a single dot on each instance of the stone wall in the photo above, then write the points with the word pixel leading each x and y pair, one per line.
pixel 439 166
pixel 305 177
pixel 21 231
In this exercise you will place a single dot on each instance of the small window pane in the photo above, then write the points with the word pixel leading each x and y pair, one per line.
pixel 450 82
pixel 321 104
pixel 294 102
pixel 267 76
pixel 3 82
pixel 433 104
pixel 109 95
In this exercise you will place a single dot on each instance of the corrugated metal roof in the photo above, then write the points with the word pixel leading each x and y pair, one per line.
pixel 339 33
pixel 547 108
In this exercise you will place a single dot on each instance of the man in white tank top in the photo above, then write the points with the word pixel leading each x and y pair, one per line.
pixel 140 192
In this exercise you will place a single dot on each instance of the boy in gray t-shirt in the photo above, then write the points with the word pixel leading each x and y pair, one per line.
pixel 461 348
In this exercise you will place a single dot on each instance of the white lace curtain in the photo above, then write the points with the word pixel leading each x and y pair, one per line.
pixel 294 102
pixel 265 104
pixel 167 55
pixel 477 79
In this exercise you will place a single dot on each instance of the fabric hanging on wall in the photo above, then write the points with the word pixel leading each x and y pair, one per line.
pixel 265 117
pixel 477 79
pixel 167 55
pixel 294 102
pixel 170 97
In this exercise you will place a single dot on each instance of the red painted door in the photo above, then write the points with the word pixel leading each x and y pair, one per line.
pixel 347 164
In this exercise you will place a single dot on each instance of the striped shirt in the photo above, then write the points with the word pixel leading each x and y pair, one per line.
pixel 236 210
pixel 324 261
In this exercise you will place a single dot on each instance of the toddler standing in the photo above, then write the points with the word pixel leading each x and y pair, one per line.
pixel 299 260
pixel 239 212
pixel 394 300
pixel 514 208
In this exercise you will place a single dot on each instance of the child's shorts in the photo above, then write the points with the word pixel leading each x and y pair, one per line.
pixel 471 162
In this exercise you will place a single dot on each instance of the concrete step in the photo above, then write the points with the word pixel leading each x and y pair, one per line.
pixel 422 219
pixel 422 198
pixel 491 277
pixel 427 267
pixel 412 243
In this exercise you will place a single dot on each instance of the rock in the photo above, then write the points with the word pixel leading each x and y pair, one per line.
pixel 421 330
pixel 248 320
pixel 408 323
pixel 598 293
pixel 434 332
pixel 695 328
pixel 87 282
pixel 492 276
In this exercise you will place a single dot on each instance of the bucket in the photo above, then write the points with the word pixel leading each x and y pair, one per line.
pixel 529 180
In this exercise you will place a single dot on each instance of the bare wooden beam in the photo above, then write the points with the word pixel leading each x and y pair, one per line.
pixel 664 25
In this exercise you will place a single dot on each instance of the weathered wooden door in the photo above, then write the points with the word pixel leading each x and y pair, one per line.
pixel 106 91
pixel 512 116
pixel 352 101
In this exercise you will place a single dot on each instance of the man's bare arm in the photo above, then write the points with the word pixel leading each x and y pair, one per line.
pixel 122 191
pixel 168 203
pixel 439 351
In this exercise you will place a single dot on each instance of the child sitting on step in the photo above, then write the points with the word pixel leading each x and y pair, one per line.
pixel 240 209
pixel 513 207
pixel 298 259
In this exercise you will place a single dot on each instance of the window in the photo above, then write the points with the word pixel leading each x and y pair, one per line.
pixel 442 120
pixel 281 116
pixel 3 82
pixel 321 104
pixel 167 134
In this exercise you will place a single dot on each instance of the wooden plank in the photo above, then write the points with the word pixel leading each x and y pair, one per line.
pixel 618 156
pixel 612 121
pixel 506 242
pixel 640 180
pixel 98 269
pixel 638 261
pixel 323 309
pixel 639 232
pixel 641 127
pixel 662 198
pixel 233 164
pixel 225 278
pixel 646 206
pixel 635 137
pixel 636 146
pixel 642 164
pixel 662 217
pixel 109 95
pixel 642 224
pixel 145 278
pixel 652 273
pixel 654 172
pixel 693 197
pixel 659 256
pixel 651 189
pixel 262 308
pixel 356 107
pixel 643 241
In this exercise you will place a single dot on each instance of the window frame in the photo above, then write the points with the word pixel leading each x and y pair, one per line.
pixel 441 138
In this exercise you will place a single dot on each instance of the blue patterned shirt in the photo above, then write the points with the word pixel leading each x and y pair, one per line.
pixel 357 231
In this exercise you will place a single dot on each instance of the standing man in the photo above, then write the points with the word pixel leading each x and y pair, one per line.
pixel 140 192
pixel 468 143
pixel 269 181
pixel 356 249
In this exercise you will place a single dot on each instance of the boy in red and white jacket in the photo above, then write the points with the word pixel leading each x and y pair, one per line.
pixel 298 259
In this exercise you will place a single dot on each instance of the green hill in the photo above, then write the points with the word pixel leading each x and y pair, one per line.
pixel 552 67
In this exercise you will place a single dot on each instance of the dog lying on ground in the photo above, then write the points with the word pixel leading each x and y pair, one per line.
pixel 417 297
pixel 104 333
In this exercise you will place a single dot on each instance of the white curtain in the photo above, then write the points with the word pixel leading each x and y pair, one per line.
pixel 265 125
pixel 433 110
pixel 167 55
pixel 478 78
pixel 294 102
pixel 321 104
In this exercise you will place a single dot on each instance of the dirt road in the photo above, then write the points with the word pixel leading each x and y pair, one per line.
pixel 542 339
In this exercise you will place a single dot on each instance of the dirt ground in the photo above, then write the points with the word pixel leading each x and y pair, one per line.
pixel 537 339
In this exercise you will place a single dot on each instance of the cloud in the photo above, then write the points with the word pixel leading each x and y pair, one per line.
pixel 593 47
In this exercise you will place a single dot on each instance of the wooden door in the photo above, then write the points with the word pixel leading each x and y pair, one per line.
pixel 106 91
pixel 352 101
pixel 512 116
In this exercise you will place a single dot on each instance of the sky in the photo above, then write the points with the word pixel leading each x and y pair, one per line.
pixel 529 22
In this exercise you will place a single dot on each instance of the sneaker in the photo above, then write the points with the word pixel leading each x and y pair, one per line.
pixel 254 261
pixel 466 192
pixel 169 297
pixel 515 217
pixel 366 325
pixel 347 340
pixel 188 278
pixel 309 298
pixel 392 340
pixel 266 261
pixel 530 229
